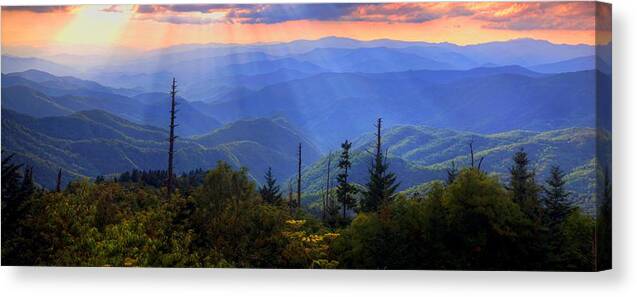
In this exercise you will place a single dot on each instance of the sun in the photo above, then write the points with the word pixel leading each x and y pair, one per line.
pixel 96 24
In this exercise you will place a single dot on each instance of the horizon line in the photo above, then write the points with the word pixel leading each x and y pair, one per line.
pixel 142 51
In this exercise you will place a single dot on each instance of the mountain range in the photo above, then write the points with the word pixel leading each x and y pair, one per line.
pixel 38 93
pixel 421 154
pixel 95 142
pixel 251 106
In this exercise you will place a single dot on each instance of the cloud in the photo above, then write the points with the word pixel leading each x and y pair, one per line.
pixel 40 9
pixel 145 8
pixel 178 8
pixel 493 15
pixel 273 13
pixel 539 16
pixel 407 12
pixel 112 8
pixel 177 19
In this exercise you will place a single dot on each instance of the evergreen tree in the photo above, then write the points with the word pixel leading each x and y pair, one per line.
pixel 270 191
pixel 522 185
pixel 526 192
pixel 10 179
pixel 382 183
pixel 11 194
pixel 344 190
pixel 604 225
pixel 555 199
pixel 557 209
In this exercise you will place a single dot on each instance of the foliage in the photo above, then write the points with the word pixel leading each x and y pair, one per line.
pixel 344 190
pixel 270 191
pixel 470 223
pixel 382 182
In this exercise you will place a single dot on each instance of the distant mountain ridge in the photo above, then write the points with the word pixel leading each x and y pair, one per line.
pixel 38 94
pixel 91 143
pixel 216 64
pixel 420 154
pixel 337 106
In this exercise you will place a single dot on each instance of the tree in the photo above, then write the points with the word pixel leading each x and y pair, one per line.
pixel 452 172
pixel 525 193
pixel 58 181
pixel 10 179
pixel 223 187
pixel 270 191
pixel 344 190
pixel 99 179
pixel 522 185
pixel 28 186
pixel 327 197
pixel 604 224
pixel 382 183
pixel 171 138
pixel 487 230
pixel 12 197
pixel 555 199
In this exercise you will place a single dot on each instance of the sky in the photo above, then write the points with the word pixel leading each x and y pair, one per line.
pixel 145 27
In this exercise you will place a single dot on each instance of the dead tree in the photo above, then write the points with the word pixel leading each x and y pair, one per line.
pixel 378 141
pixel 298 180
pixel 171 138
pixel 472 156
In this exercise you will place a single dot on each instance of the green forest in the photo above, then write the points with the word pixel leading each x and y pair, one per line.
pixel 220 217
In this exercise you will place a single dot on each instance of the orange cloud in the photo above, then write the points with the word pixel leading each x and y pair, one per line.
pixel 148 26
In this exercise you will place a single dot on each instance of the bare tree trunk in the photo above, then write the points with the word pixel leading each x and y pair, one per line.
pixel 378 144
pixel 171 138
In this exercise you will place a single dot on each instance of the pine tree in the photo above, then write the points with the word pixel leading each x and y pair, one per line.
pixel 557 208
pixel 270 191
pixel 344 190
pixel 382 183
pixel 555 199
pixel 522 185
pixel 10 179
pixel 11 194
pixel 526 192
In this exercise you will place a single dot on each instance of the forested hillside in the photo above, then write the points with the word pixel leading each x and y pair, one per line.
pixel 471 221
pixel 92 143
